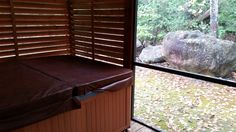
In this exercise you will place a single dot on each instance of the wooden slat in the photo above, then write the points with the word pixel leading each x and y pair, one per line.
pixel 39 29
pixel 109 25
pixel 5 10
pixel 43 33
pixel 9 58
pixel 81 2
pixel 39 5
pixel 5 18
pixel 43 44
pixel 109 18
pixel 81 28
pixel 81 5
pixel 4 3
pixel 6 35
pixel 110 4
pixel 6 41
pixel 43 49
pixel 3 23
pixel 44 2
pixel 7 53
pixel 83 39
pixel 77 32
pixel 83 44
pixel 5 30
pixel 83 53
pixel 86 23
pixel 86 18
pixel 108 36
pixel 44 39
pixel 110 31
pixel 40 18
pixel 6 47
pixel 108 53
pixel 39 26
pixel 109 48
pixel 40 11
pixel 108 59
pixel 41 23
pixel 109 12
pixel 107 42
pixel 82 48
pixel 81 12
pixel 46 54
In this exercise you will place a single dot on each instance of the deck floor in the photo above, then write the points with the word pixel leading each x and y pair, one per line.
pixel 136 127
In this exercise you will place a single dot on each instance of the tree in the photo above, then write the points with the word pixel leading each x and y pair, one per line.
pixel 158 17
pixel 214 9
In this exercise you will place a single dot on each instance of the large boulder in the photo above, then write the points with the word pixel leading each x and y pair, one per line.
pixel 139 47
pixel 197 52
pixel 152 54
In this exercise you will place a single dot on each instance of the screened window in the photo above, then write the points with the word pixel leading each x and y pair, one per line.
pixel 185 64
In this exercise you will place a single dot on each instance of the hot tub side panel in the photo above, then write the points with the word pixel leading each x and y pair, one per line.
pixel 105 112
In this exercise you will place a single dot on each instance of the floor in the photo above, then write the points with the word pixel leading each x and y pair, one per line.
pixel 136 127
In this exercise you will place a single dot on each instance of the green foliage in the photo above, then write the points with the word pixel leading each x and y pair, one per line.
pixel 227 17
pixel 158 17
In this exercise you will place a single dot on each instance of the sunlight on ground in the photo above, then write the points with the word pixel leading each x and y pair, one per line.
pixel 175 103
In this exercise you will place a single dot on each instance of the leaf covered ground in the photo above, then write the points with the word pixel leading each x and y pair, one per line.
pixel 174 103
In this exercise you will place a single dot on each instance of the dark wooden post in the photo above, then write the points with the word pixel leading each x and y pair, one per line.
pixel 14 28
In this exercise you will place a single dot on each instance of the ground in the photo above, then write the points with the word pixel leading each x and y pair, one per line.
pixel 175 103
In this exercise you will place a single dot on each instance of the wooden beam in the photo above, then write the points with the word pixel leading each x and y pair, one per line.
pixel 14 28
pixel 129 33
pixel 71 33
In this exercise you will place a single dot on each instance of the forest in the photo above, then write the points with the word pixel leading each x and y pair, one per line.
pixel 155 18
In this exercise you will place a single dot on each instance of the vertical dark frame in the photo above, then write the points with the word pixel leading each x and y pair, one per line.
pixel 14 28
pixel 134 54
pixel 134 37
pixel 71 33
pixel 130 27
pixel 92 27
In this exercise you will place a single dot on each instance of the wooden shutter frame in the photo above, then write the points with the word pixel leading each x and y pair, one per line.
pixel 111 47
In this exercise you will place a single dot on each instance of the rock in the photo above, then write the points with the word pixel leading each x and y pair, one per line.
pixel 152 54
pixel 139 47
pixel 196 52
pixel 147 43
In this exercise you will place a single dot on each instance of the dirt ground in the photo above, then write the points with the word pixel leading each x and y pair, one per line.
pixel 175 103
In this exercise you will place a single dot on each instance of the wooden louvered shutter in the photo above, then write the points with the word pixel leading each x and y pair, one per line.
pixel 109 30
pixel 7 43
pixel 100 29
pixel 41 27
pixel 81 21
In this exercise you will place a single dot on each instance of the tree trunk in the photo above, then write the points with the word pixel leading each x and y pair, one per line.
pixel 214 8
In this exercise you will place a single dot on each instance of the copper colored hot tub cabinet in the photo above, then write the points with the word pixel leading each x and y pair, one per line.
pixel 65 65
pixel 107 112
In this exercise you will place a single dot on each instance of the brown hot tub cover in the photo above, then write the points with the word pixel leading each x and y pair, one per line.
pixel 27 95
pixel 84 74
pixel 33 90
